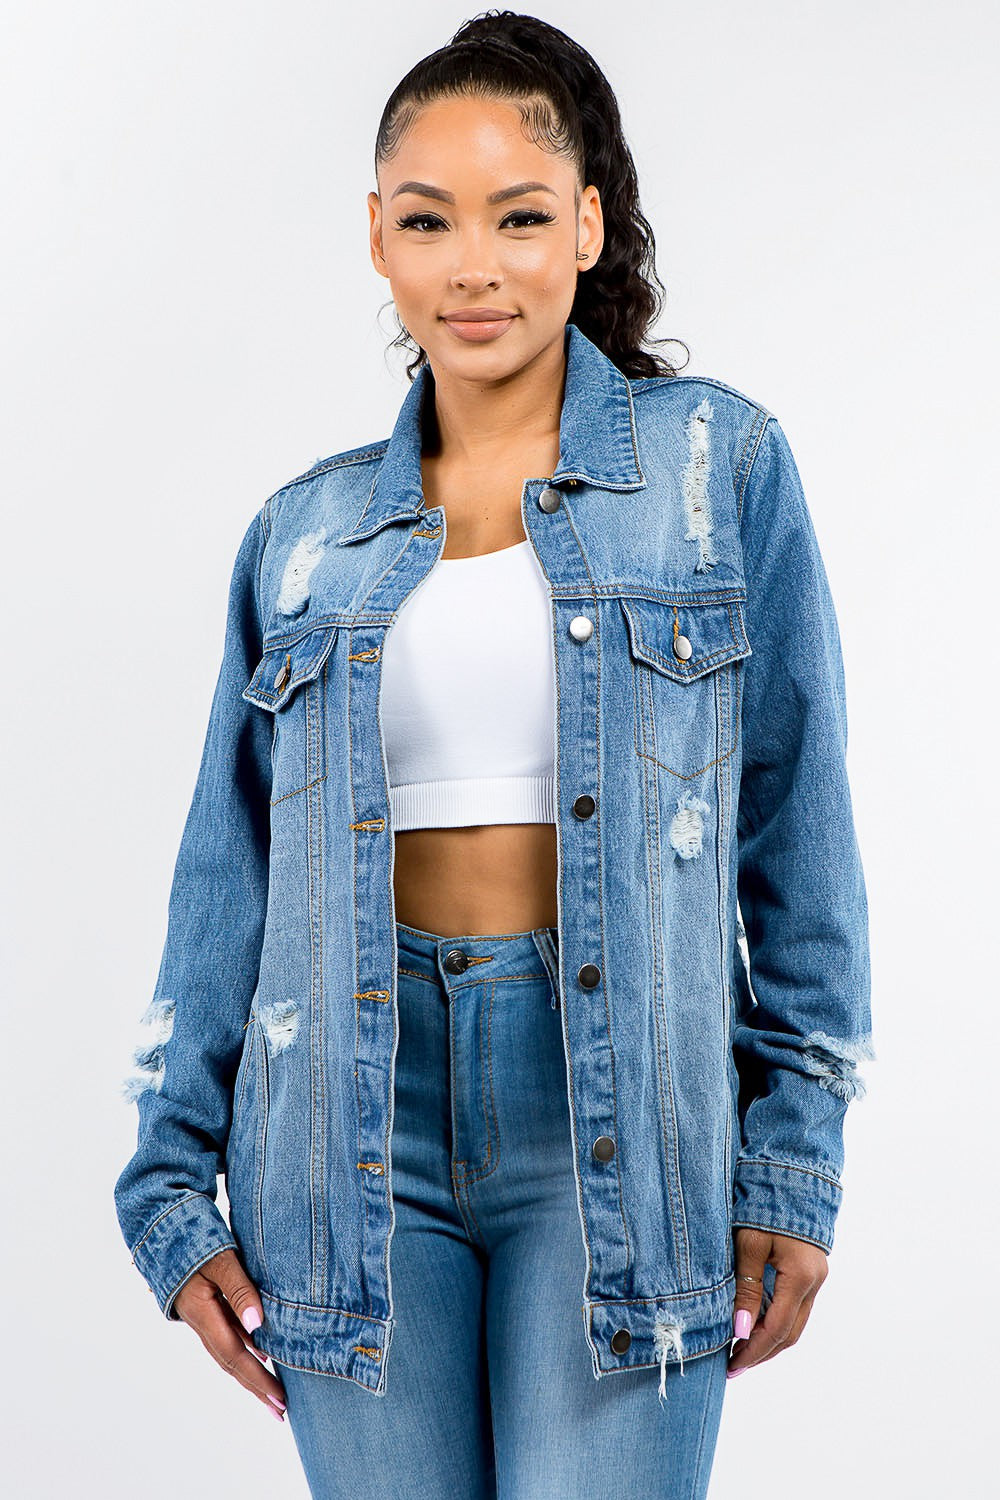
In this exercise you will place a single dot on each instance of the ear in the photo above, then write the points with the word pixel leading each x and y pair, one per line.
pixel 590 226
pixel 375 233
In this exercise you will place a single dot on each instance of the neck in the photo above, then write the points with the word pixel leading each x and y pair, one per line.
pixel 475 422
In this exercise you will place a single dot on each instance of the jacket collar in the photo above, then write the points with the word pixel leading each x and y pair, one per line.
pixel 597 438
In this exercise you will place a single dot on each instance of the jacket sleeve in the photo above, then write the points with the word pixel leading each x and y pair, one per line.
pixel 803 987
pixel 192 1034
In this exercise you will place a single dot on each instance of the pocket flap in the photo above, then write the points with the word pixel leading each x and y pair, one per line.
pixel 684 641
pixel 285 667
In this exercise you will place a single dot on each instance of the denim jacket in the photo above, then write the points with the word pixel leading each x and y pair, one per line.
pixel 712 914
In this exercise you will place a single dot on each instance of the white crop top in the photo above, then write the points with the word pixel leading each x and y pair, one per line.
pixel 468 702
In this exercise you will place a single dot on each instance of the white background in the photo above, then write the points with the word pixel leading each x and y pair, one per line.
pixel 190 318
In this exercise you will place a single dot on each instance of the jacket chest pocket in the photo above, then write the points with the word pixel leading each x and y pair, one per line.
pixel 685 674
pixel 290 685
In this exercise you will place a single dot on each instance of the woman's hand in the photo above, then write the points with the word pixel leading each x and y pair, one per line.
pixel 800 1270
pixel 221 1304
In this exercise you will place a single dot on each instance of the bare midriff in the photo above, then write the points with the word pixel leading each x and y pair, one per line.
pixel 495 877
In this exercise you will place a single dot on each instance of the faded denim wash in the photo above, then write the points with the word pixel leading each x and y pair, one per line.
pixel 712 915
pixel 493 1390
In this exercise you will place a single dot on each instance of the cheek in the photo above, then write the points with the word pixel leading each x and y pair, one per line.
pixel 411 273
pixel 548 268
pixel 415 284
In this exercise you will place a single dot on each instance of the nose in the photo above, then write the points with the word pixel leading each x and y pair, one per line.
pixel 474 265
pixel 473 280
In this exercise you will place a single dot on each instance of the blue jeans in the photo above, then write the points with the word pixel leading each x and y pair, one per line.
pixel 492 1388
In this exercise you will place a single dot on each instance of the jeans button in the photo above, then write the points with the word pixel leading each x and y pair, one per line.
pixel 589 976
pixel 584 806
pixel 456 962
pixel 620 1340
pixel 549 500
pixel 682 648
pixel 581 628
pixel 604 1148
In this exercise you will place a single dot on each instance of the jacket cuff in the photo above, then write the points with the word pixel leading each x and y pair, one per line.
pixel 177 1243
pixel 787 1199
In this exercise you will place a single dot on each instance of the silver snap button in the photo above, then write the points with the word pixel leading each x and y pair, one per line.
pixel 682 648
pixel 581 628
pixel 549 500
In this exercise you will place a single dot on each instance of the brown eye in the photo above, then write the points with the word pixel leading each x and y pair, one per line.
pixel 414 219
pixel 533 215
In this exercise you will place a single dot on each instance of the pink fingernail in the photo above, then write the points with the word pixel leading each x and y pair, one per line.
pixel 742 1370
pixel 743 1324
pixel 279 1404
pixel 275 1413
pixel 250 1319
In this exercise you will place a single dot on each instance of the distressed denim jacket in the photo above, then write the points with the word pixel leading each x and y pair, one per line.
pixel 712 914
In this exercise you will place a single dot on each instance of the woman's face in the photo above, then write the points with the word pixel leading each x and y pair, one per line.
pixel 446 248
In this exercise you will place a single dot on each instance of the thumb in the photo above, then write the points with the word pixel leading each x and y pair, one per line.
pixel 752 1249
pixel 226 1270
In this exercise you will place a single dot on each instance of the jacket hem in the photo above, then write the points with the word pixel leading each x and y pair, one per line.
pixel 325 1340
pixel 702 1321
pixel 354 1346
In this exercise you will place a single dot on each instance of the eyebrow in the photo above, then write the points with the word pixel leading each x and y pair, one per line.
pixel 502 195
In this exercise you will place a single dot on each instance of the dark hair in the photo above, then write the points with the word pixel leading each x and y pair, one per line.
pixel 568 106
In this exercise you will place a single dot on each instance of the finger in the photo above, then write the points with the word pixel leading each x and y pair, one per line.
pixel 801 1319
pixel 241 1332
pixel 202 1307
pixel 771 1333
pixel 215 1328
pixel 751 1249
pixel 226 1270
pixel 242 1300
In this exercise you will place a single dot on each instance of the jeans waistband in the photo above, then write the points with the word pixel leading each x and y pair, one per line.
pixel 485 955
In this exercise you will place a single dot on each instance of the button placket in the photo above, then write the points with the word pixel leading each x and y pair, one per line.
pixel 581 629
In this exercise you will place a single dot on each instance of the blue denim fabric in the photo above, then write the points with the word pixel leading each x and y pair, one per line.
pixel 493 1390
pixel 712 916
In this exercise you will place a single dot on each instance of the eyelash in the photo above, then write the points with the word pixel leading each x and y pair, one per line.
pixel 537 214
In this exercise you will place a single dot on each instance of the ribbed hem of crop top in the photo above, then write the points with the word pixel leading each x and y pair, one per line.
pixel 477 800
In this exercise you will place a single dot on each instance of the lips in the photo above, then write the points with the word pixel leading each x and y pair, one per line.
pixel 478 315
pixel 479 325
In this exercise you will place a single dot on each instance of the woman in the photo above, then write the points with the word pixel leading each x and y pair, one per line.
pixel 513 707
